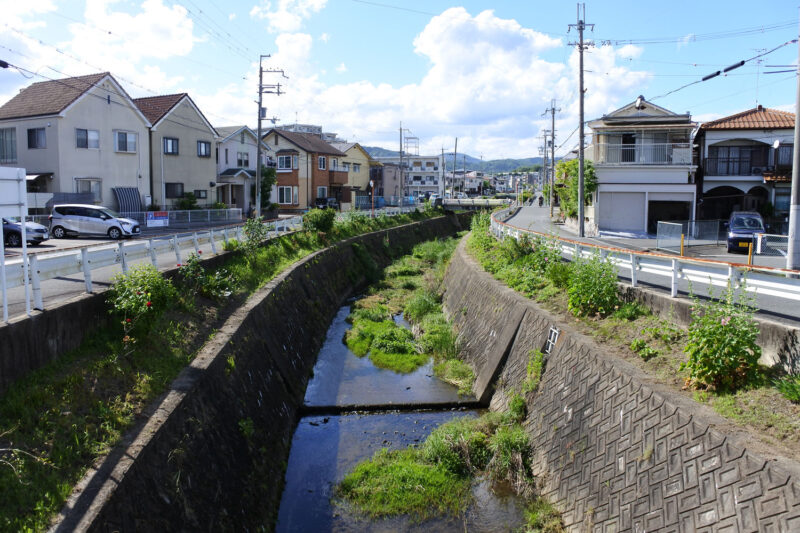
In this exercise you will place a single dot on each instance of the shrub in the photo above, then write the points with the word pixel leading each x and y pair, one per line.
pixel 645 351
pixel 721 346
pixel 593 288
pixel 546 252
pixel 319 220
pixel 255 233
pixel 231 245
pixel 789 387
pixel 394 340
pixel 533 372
pixel 139 297
pixel 422 303
pixel 630 311
pixel 511 452
pixel 559 273
pixel 517 408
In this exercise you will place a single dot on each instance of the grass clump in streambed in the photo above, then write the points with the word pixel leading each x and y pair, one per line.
pixel 411 286
pixel 435 478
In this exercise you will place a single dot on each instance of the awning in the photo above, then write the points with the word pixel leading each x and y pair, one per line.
pixel 31 177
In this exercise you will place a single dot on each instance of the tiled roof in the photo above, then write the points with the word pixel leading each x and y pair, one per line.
pixel 343 147
pixel 48 97
pixel 155 107
pixel 309 142
pixel 227 131
pixel 758 118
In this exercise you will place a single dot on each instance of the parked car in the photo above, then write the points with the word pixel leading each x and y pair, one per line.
pixel 742 228
pixel 322 203
pixel 79 219
pixel 436 200
pixel 35 233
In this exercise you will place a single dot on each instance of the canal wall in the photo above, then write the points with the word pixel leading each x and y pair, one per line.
pixel 210 454
pixel 615 451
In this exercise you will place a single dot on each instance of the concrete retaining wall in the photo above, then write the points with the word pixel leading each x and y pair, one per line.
pixel 210 454
pixel 615 451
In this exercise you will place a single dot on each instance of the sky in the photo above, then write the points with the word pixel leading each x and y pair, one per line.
pixel 483 72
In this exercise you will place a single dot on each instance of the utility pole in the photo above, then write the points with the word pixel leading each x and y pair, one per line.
pixel 581 25
pixel 548 171
pixel 444 175
pixel 263 89
pixel 455 166
pixel 793 249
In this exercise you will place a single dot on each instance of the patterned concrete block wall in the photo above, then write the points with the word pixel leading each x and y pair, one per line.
pixel 613 451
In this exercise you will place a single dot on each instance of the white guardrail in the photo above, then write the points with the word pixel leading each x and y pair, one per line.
pixel 42 266
pixel 777 282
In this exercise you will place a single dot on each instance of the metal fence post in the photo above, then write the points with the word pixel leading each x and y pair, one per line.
pixel 177 249
pixel 152 253
pixel 634 270
pixel 87 270
pixel 122 258
pixel 673 292
pixel 196 244
pixel 36 282
pixel 213 244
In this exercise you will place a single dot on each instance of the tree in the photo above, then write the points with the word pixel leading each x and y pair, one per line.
pixel 268 179
pixel 566 182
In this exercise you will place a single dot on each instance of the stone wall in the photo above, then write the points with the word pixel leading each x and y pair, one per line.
pixel 613 450
pixel 210 454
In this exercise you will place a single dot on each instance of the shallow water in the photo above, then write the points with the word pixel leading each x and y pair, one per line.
pixel 325 448
pixel 343 378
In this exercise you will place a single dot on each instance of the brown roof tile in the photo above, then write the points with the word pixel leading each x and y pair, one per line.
pixel 48 97
pixel 758 118
pixel 309 142
pixel 155 107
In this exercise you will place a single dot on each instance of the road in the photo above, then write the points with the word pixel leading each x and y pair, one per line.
pixel 538 219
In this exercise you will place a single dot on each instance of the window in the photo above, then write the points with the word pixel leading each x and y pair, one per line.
pixel 322 192
pixel 276 140
pixel 243 159
pixel 226 156
pixel 87 138
pixel 356 167
pixel 203 148
pixel 241 138
pixel 335 164
pixel 295 160
pixel 91 186
pixel 321 162
pixel 346 167
pixel 174 190
pixel 8 145
pixel 125 141
pixel 284 195
pixel 170 145
pixel 201 194
pixel 284 162
pixel 36 138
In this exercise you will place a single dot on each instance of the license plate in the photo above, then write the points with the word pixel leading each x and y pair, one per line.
pixel 136 230
pixel 744 244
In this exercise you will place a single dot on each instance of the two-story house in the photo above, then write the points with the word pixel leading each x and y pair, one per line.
pixel 236 154
pixel 423 174
pixel 357 165
pixel 745 162
pixel 80 139
pixel 182 146
pixel 642 156
pixel 308 168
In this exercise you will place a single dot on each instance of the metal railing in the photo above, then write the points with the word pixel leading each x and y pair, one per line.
pixel 776 282
pixel 772 245
pixel 694 232
pixel 476 202
pixel 32 269
pixel 643 154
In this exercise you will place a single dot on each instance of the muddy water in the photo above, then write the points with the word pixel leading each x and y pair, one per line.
pixel 326 448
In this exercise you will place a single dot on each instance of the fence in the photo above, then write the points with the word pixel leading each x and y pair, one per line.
pixel 695 233
pixel 176 219
pixel 776 282
pixel 771 245
pixel 31 270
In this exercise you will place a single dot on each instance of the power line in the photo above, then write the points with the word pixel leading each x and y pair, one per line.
pixel 725 34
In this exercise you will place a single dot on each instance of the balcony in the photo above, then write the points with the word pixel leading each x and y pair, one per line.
pixel 643 154
pixel 727 166
pixel 338 177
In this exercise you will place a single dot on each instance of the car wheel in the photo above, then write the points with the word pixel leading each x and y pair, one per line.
pixel 59 232
pixel 13 240
pixel 114 233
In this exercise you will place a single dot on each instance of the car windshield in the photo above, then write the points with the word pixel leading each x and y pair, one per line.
pixel 748 223
pixel 112 214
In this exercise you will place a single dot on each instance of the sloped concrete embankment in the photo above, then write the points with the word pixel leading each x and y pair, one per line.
pixel 614 450
pixel 210 455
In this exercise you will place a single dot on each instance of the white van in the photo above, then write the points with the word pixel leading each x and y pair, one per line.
pixel 80 219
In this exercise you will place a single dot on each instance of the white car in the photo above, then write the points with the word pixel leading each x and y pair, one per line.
pixel 81 219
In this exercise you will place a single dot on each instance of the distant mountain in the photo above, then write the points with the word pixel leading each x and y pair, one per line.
pixel 471 163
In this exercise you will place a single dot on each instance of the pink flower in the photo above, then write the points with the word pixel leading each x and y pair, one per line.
pixel 128 320
pixel 725 321
pixel 179 264
pixel 199 251
pixel 148 304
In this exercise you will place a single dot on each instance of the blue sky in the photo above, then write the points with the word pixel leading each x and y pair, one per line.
pixel 481 71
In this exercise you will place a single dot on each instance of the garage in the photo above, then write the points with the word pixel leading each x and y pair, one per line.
pixel 621 211
pixel 667 207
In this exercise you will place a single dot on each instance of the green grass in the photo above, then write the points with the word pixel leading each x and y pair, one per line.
pixel 533 371
pixel 456 372
pixel 542 517
pixel 65 416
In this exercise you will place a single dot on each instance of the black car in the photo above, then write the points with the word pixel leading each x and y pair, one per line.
pixel 322 203
pixel 12 232
pixel 743 226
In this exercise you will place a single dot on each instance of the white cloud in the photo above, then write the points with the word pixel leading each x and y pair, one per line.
pixel 341 68
pixel 286 15
pixel 15 13
pixel 232 16
pixel 689 37
pixel 324 37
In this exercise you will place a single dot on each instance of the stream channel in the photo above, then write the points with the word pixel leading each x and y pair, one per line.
pixel 353 410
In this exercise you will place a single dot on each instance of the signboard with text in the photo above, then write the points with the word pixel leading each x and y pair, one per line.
pixel 157 219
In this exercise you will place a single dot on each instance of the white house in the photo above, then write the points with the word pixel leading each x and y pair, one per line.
pixel 746 162
pixel 80 139
pixel 236 166
pixel 642 156
pixel 423 174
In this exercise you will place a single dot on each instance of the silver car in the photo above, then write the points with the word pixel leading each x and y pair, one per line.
pixel 80 219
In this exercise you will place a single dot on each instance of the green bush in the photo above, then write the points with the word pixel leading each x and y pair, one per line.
pixel 721 346
pixel 789 387
pixel 559 273
pixel 255 233
pixel 319 220
pixel 422 303
pixel 394 340
pixel 517 408
pixel 533 372
pixel 593 287
pixel 644 350
pixel 631 311
pixel 141 296
pixel 546 252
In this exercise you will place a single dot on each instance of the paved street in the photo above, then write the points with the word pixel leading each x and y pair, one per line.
pixel 538 219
